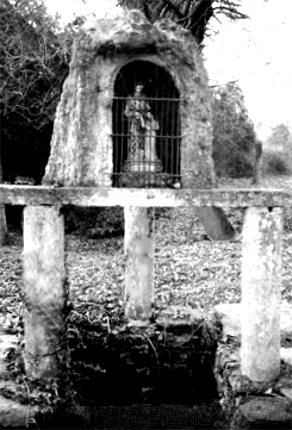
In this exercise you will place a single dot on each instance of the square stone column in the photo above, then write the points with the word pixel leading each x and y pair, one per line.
pixel 139 252
pixel 44 289
pixel 261 293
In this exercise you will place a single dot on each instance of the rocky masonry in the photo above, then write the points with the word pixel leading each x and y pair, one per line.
pixel 249 404
pixel 82 146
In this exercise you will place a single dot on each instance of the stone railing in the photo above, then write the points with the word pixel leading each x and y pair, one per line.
pixel 44 266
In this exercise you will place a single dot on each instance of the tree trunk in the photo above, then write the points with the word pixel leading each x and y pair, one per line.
pixel 216 223
pixel 3 222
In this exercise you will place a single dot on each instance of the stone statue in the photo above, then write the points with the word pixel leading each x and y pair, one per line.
pixel 142 154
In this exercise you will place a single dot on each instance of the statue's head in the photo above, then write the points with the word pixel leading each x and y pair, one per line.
pixel 139 87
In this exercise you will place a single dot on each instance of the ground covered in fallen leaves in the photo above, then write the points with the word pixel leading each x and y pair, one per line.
pixel 190 270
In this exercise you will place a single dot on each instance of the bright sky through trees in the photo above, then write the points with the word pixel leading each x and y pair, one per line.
pixel 254 52
pixel 70 8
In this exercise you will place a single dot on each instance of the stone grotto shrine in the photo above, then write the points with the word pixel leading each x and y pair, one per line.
pixel 135 109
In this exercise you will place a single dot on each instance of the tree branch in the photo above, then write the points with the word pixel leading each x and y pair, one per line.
pixel 174 8
pixel 231 12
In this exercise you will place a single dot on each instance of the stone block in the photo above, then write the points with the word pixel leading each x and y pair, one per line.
pixel 15 415
pixel 229 315
pixel 263 412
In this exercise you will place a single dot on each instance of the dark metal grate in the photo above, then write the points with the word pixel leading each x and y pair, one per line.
pixel 134 417
pixel 146 127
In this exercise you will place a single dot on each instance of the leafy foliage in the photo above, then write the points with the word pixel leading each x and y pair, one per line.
pixel 33 63
pixel 234 136
pixel 34 57
pixel 276 164
pixel 280 138
pixel 95 222
pixel 277 159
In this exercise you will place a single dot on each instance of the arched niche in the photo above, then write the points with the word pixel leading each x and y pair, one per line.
pixel 89 145
pixel 163 99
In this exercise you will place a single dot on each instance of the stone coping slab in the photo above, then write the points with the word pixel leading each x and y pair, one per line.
pixel 229 315
pixel 94 196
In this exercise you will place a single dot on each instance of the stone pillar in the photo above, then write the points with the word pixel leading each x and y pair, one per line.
pixel 261 295
pixel 44 289
pixel 139 252
pixel 3 226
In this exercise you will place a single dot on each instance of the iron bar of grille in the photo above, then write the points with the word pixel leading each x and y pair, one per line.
pixel 147 173
pixel 175 155
pixel 166 136
pixel 151 99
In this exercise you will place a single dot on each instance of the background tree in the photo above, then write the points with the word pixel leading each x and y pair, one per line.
pixel 233 133
pixel 280 138
pixel 277 159
pixel 34 58
pixel 33 64
pixel 235 152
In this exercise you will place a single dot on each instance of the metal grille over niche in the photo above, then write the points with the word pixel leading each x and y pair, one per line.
pixel 146 127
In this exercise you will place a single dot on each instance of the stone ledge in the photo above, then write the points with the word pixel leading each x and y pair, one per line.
pixel 98 196
pixel 229 316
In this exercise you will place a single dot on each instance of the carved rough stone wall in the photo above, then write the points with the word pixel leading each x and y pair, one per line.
pixel 81 146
